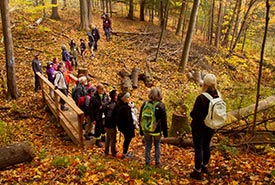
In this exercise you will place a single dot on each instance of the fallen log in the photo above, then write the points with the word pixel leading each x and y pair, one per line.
pixel 177 141
pixel 248 111
pixel 16 153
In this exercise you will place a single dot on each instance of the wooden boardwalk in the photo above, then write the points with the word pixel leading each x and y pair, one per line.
pixel 72 119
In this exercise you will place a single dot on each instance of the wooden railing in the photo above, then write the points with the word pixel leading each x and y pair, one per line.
pixel 72 119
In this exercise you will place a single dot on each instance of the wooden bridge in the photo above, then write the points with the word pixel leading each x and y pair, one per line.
pixel 72 119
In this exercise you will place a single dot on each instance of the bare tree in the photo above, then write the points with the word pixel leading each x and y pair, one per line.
pixel 188 39
pixel 219 24
pixel 260 66
pixel 55 15
pixel 10 62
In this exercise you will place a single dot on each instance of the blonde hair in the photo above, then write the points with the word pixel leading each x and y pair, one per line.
pixel 155 94
pixel 209 82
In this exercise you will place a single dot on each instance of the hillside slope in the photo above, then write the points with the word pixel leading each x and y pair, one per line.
pixel 60 162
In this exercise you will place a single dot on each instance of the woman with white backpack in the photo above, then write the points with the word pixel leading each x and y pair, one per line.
pixel 201 133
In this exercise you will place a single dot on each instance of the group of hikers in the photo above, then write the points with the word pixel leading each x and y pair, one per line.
pixel 106 113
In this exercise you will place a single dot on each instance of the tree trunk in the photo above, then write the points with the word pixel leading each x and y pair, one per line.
pixel 188 40
pixel 9 53
pixel 229 27
pixel 235 29
pixel 89 11
pixel 134 77
pixel 84 22
pixel 219 25
pixel 179 125
pixel 180 21
pixel 55 15
pixel 252 2
pixel 15 154
pixel 211 21
pixel 248 111
pixel 131 10
pixel 261 66
pixel 142 8
pixel 163 28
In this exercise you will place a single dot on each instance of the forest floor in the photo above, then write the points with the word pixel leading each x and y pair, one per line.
pixel 59 161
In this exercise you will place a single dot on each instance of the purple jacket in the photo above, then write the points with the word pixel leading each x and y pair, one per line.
pixel 50 73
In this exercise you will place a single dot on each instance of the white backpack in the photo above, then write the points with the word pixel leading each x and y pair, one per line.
pixel 216 116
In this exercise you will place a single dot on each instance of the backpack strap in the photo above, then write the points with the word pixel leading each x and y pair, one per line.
pixel 207 95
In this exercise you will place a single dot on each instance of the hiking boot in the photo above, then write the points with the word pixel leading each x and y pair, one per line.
pixel 196 175
pixel 204 170
pixel 87 137
pixel 98 144
pixel 64 108
pixel 158 165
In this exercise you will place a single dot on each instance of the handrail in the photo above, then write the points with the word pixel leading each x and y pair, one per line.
pixel 63 116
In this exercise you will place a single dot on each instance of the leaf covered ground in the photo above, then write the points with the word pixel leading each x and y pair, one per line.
pixel 59 161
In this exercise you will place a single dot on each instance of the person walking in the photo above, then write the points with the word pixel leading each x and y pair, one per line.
pixel 107 26
pixel 36 67
pixel 74 51
pixel 60 83
pixel 202 134
pixel 97 108
pixel 155 99
pixel 96 35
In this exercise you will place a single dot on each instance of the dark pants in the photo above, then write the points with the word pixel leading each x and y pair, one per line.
pixel 99 129
pixel 62 102
pixel 74 62
pixel 95 46
pixel 127 141
pixel 110 140
pixel 36 83
pixel 201 142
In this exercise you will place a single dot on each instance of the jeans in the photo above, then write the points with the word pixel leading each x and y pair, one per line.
pixel 62 102
pixel 201 142
pixel 148 146
pixel 107 33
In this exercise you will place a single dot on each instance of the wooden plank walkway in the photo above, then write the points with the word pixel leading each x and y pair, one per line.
pixel 72 119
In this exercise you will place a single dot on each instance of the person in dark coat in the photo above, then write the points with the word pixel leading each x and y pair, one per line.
pixel 125 121
pixel 36 67
pixel 97 108
pixel 110 124
pixel 107 26
pixel 96 35
pixel 202 134
pixel 154 96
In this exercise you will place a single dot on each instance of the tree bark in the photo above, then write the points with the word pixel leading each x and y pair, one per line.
pixel 180 21
pixel 84 22
pixel 134 77
pixel 179 125
pixel 142 8
pixel 9 53
pixel 219 24
pixel 55 15
pixel 188 40
pixel 15 154
pixel 131 10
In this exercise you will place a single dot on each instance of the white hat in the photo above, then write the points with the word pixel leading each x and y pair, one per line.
pixel 210 80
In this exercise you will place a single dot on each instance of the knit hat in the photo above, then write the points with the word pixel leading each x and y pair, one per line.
pixel 91 89
pixel 209 80
pixel 125 96
pixel 82 79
